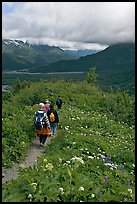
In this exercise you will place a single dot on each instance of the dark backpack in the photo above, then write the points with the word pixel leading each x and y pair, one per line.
pixel 39 120
pixel 58 102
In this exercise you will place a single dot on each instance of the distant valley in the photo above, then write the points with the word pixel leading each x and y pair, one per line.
pixel 115 65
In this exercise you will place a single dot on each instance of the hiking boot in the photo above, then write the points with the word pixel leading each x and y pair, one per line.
pixel 41 145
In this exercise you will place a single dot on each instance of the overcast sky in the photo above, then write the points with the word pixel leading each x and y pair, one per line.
pixel 70 25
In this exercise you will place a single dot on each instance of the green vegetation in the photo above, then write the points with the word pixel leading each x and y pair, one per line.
pixel 17 55
pixel 91 159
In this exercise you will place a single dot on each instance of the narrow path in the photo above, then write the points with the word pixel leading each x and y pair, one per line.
pixel 34 151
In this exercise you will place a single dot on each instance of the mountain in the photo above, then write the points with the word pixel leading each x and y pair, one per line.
pixel 115 66
pixel 17 55
pixel 80 53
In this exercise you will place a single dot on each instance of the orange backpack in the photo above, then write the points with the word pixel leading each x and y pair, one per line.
pixel 52 117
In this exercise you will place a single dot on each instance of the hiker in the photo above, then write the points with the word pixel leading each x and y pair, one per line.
pixel 43 129
pixel 53 118
pixel 46 106
pixel 59 102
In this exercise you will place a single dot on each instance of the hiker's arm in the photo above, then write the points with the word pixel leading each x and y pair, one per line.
pixel 47 121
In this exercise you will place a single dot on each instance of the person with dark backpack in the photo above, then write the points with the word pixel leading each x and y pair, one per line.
pixel 59 102
pixel 53 119
pixel 42 125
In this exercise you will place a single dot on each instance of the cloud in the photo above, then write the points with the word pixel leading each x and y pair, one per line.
pixel 70 24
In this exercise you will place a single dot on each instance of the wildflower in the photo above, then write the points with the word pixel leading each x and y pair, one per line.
pixel 111 168
pixel 121 167
pixel 93 195
pixel 34 186
pixel 79 159
pixel 30 197
pixel 81 188
pixel 99 195
pixel 90 157
pixel 66 128
pixel 106 179
pixel 106 159
pixel 61 190
pixel 133 165
pixel 49 166
pixel 129 190
pixel 128 182
pixel 45 160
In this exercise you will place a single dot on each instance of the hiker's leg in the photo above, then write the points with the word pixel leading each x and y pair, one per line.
pixel 54 128
pixel 51 125
pixel 40 138
pixel 44 137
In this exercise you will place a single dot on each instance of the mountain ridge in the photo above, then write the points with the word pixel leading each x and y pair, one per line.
pixel 23 55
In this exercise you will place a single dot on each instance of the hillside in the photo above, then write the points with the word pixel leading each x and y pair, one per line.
pixel 115 66
pixel 91 159
pixel 120 57
pixel 17 55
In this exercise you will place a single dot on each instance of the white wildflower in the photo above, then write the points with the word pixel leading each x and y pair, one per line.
pixel 61 190
pixel 129 190
pixel 49 166
pixel 45 160
pixel 79 159
pixel 90 157
pixel 66 128
pixel 133 165
pixel 111 168
pixel 81 188
pixel 30 196
pixel 93 195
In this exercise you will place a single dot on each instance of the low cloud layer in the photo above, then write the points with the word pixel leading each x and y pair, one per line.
pixel 75 25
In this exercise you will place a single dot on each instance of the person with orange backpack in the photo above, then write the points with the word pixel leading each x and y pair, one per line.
pixel 53 119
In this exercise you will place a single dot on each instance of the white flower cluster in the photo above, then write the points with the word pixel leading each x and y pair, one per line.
pixel 49 166
pixel 111 165
pixel 66 128
pixel 78 159
pixel 30 197
pixel 81 188
pixel 130 190
pixel 90 157
pixel 61 190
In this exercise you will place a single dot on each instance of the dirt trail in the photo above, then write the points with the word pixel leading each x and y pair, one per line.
pixel 34 151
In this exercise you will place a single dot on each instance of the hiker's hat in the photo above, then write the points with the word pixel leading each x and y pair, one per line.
pixel 41 104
